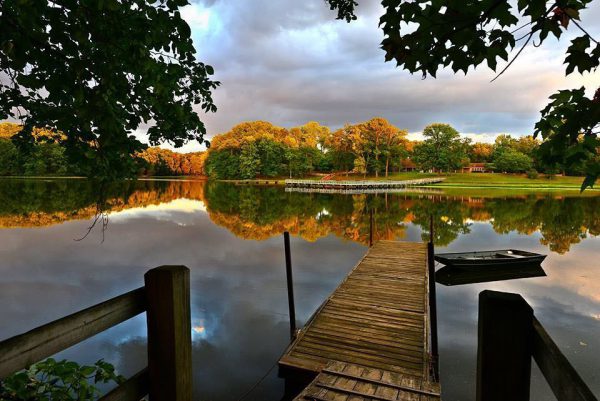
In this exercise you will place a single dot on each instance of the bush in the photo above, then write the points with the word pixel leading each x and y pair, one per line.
pixel 532 174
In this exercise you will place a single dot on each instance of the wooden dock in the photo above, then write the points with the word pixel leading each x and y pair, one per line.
pixel 353 185
pixel 370 338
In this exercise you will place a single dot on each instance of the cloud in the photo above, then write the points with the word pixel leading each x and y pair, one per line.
pixel 290 62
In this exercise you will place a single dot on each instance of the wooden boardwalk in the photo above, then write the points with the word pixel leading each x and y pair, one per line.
pixel 372 333
pixel 355 184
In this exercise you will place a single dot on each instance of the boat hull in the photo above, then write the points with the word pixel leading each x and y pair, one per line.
pixel 475 260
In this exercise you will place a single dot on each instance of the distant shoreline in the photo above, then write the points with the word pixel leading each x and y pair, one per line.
pixel 453 181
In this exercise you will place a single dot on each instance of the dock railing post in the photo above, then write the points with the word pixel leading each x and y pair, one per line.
pixel 432 303
pixel 370 227
pixel 290 284
pixel 504 347
pixel 169 333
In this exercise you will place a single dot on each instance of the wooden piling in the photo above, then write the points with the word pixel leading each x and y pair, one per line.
pixel 504 347
pixel 290 284
pixel 169 333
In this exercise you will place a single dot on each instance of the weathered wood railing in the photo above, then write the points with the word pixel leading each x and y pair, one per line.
pixel 165 298
pixel 509 335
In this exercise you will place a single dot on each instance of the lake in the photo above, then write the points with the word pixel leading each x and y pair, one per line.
pixel 231 239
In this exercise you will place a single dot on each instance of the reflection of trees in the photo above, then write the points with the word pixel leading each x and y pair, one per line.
pixel 262 212
pixel 35 203
pixel 562 221
pixel 449 219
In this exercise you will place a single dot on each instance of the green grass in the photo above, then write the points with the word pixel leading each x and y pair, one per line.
pixel 483 180
pixel 488 180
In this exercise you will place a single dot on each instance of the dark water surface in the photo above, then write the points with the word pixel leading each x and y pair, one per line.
pixel 230 238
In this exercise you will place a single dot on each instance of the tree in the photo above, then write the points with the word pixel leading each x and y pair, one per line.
pixel 250 165
pixel 339 146
pixel 311 134
pixel 9 158
pixel 512 161
pixel 385 139
pixel 97 70
pixel 46 159
pixel 442 149
pixel 481 152
pixel 423 36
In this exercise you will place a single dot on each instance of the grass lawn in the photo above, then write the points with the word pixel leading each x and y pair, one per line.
pixel 509 180
pixel 483 180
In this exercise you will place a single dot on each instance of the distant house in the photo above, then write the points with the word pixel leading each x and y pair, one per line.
pixel 409 165
pixel 474 168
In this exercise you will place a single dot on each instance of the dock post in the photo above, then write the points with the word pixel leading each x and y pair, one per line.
pixel 290 284
pixel 504 347
pixel 370 227
pixel 433 303
pixel 169 333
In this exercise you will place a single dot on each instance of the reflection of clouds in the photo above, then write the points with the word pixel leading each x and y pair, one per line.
pixel 162 210
pixel 239 299
pixel 238 291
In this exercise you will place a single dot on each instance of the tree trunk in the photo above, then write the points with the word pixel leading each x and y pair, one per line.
pixel 387 166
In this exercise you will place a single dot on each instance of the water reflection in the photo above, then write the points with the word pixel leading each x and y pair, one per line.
pixel 229 237
pixel 455 276
pixel 260 213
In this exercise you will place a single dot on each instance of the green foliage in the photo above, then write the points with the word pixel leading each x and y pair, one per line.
pixel 249 161
pixel 46 159
pixel 423 36
pixel 52 380
pixel 512 161
pixel 442 150
pixel 532 174
pixel 223 164
pixel 97 70
pixel 9 158
pixel 571 122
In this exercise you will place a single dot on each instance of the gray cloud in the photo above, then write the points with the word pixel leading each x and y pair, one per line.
pixel 290 62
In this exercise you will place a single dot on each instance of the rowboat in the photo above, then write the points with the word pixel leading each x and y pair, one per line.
pixel 502 257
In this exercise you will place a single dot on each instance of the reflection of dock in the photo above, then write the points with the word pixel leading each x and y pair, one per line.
pixel 371 336
pixel 360 185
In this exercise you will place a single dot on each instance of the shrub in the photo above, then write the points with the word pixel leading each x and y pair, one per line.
pixel 532 174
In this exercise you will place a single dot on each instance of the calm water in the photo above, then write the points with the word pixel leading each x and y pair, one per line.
pixel 230 238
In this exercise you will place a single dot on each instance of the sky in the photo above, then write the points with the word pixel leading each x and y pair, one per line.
pixel 290 62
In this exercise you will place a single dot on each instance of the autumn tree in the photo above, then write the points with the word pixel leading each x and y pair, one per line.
pixel 481 152
pixel 259 148
pixel 382 139
pixel 99 69
pixel 340 148
pixel 423 36
pixel 442 149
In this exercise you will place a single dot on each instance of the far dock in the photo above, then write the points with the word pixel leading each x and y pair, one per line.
pixel 353 185
pixel 371 337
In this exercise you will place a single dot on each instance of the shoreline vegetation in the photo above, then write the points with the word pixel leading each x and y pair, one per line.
pixel 452 181
pixel 261 153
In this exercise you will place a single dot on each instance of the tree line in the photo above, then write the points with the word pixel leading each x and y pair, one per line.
pixel 375 147
pixel 45 156
pixel 260 149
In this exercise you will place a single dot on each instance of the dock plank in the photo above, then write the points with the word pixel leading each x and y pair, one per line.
pixel 369 339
